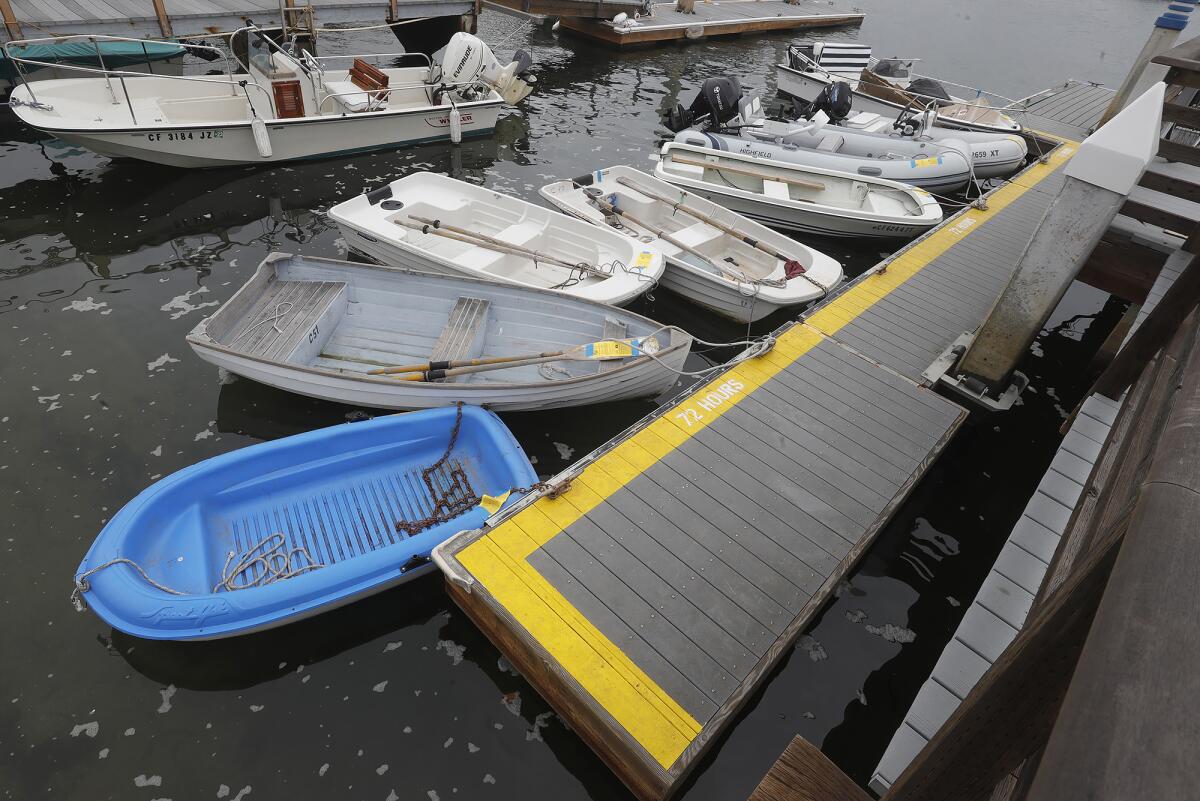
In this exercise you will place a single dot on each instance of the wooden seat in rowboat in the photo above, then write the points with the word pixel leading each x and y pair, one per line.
pixel 285 318
pixel 463 336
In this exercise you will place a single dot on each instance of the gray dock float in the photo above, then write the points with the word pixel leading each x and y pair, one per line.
pixel 649 599
pixel 714 18
pixel 1072 110
pixel 1000 608
pixel 139 18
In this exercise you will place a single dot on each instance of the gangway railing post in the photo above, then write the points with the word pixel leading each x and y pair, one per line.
pixel 1099 177
pixel 1142 74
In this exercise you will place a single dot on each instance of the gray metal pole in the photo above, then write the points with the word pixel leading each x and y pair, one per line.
pixel 1142 74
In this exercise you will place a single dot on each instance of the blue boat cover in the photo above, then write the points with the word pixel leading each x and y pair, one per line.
pixel 348 507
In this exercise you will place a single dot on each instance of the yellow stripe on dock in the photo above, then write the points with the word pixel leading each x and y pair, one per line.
pixel 500 559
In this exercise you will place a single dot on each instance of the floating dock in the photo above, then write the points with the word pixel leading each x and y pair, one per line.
pixel 712 18
pixel 679 563
pixel 167 18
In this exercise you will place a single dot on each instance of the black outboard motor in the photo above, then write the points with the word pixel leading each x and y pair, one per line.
pixel 835 100
pixel 714 104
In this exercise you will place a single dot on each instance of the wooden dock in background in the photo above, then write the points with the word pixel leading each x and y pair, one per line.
pixel 650 598
pixel 712 18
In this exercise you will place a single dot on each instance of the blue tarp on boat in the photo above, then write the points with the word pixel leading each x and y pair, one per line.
pixel 115 54
pixel 349 510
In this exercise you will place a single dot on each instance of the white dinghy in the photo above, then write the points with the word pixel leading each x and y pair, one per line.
pixel 427 221
pixel 798 198
pixel 885 86
pixel 343 332
pixel 286 106
pixel 715 257
pixel 739 126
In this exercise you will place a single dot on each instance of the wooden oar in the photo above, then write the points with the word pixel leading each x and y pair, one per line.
pixel 439 227
pixel 715 223
pixel 601 350
pixel 661 233
pixel 713 165
pixel 434 375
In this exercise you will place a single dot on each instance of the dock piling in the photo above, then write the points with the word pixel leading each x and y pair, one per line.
pixel 1101 175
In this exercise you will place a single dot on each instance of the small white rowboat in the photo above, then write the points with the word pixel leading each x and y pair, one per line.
pixel 715 257
pixel 431 222
pixel 799 198
pixel 318 327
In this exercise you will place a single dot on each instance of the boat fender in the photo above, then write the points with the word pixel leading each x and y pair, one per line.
pixel 376 195
pixel 455 124
pixel 262 140
pixel 583 180
pixel 414 563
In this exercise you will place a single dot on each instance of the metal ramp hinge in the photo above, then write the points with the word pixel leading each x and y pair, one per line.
pixel 943 371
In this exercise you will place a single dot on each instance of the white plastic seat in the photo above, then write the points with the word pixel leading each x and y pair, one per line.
pixel 777 190
pixel 352 98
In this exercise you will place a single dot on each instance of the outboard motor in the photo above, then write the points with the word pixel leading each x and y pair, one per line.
pixel 835 100
pixel 714 104
pixel 469 69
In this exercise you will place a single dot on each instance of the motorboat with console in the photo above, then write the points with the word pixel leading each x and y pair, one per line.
pixel 284 105
pixel 885 86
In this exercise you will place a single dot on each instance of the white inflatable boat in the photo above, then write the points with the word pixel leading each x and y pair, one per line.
pixel 721 118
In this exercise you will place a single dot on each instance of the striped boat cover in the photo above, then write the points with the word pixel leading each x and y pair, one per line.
pixel 849 59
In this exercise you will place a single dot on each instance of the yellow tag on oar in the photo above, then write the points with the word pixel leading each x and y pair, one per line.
pixel 609 349
pixel 492 503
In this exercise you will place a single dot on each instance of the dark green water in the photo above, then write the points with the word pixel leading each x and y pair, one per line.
pixel 106 266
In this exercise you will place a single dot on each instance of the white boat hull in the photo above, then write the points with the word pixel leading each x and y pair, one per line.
pixel 765 288
pixel 620 269
pixel 382 315
pixel 936 169
pixel 291 140
pixel 905 211
pixel 806 86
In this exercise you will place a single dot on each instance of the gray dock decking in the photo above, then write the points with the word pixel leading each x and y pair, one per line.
pixel 648 601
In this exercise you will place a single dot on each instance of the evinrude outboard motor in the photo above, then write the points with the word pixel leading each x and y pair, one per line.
pixel 469 69
pixel 714 104
pixel 835 100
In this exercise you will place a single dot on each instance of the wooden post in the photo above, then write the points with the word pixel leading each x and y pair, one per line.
pixel 1107 166
pixel 1157 329
pixel 1127 728
pixel 804 773
pixel 10 20
pixel 1162 37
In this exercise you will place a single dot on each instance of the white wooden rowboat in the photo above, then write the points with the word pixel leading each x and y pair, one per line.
pixel 317 327
pixel 486 234
pixel 706 264
pixel 798 198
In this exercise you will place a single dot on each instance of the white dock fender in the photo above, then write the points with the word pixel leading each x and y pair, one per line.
pixel 262 139
pixel 1116 155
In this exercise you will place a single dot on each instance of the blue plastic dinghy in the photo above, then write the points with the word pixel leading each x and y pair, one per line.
pixel 284 530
